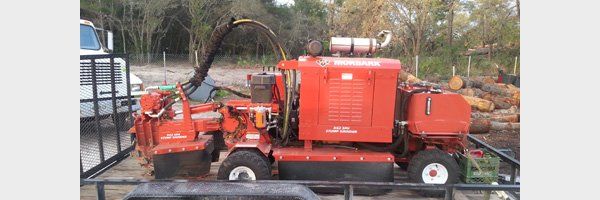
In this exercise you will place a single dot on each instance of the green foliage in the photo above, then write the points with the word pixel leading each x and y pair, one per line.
pixel 420 27
pixel 220 94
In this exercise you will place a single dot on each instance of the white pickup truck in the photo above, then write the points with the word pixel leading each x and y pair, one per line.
pixel 90 45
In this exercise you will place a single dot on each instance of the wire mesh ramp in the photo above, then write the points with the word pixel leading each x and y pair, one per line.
pixel 106 104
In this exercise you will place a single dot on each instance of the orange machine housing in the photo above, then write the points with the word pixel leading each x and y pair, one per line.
pixel 347 99
pixel 438 114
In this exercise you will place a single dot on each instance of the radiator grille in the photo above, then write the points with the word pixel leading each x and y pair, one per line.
pixel 103 73
pixel 346 98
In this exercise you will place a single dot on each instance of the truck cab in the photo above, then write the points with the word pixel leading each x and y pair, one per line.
pixel 90 44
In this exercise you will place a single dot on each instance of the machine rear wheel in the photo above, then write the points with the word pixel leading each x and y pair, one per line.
pixel 435 167
pixel 245 165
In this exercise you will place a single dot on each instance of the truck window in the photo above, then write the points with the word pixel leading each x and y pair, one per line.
pixel 88 38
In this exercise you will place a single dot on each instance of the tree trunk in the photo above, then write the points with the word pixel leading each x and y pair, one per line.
pixel 499 90
pixel 480 104
pixel 511 110
pixel 450 19
pixel 458 82
pixel 480 126
pixel 519 9
pixel 496 117
pixel 407 77
pixel 486 125
pixel 505 126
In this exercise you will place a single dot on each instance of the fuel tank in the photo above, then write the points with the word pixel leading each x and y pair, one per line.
pixel 436 112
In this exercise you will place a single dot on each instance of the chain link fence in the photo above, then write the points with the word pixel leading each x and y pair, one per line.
pixel 430 68
pixel 190 60
pixel 440 68
pixel 105 107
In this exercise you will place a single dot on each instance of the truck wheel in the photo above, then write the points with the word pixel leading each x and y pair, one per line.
pixel 435 167
pixel 245 165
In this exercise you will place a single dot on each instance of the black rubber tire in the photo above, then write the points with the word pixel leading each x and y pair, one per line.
pixel 424 158
pixel 402 165
pixel 252 159
pixel 215 155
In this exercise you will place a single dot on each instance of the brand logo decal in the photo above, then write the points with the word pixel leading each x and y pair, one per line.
pixel 322 62
pixel 357 63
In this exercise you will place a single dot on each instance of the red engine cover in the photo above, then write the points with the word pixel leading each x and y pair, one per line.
pixel 347 99
pixel 448 113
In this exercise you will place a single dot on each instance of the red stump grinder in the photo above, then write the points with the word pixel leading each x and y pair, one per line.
pixel 317 118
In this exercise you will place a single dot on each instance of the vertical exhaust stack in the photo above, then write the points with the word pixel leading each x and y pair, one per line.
pixel 359 46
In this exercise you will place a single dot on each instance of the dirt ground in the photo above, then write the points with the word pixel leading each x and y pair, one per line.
pixel 503 140
pixel 224 73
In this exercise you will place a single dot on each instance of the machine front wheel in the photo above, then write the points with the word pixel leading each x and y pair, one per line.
pixel 245 165
pixel 435 167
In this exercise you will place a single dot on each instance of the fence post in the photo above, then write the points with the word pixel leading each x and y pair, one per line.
pixel 417 66
pixel 165 67
pixel 515 67
pixel 469 68
pixel 453 70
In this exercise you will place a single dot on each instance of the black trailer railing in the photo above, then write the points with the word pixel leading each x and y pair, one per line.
pixel 347 186
pixel 105 112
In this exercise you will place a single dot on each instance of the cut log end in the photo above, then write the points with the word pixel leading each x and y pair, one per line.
pixel 456 83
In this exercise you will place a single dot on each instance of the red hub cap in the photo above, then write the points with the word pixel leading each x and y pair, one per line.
pixel 433 173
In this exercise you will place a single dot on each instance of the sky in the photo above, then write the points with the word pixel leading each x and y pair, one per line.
pixel 284 2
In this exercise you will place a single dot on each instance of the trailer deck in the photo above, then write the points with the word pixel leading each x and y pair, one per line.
pixel 129 169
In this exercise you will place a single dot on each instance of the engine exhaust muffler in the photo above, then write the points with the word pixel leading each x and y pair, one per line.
pixel 354 46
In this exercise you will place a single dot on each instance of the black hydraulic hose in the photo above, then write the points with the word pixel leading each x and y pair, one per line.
pixel 239 94
pixel 209 95
pixel 191 90
pixel 217 39
pixel 404 102
pixel 399 141
pixel 215 42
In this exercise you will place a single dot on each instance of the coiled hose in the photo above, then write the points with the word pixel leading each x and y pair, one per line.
pixel 215 42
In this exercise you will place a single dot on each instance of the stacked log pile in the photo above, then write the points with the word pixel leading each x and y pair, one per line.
pixel 495 105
